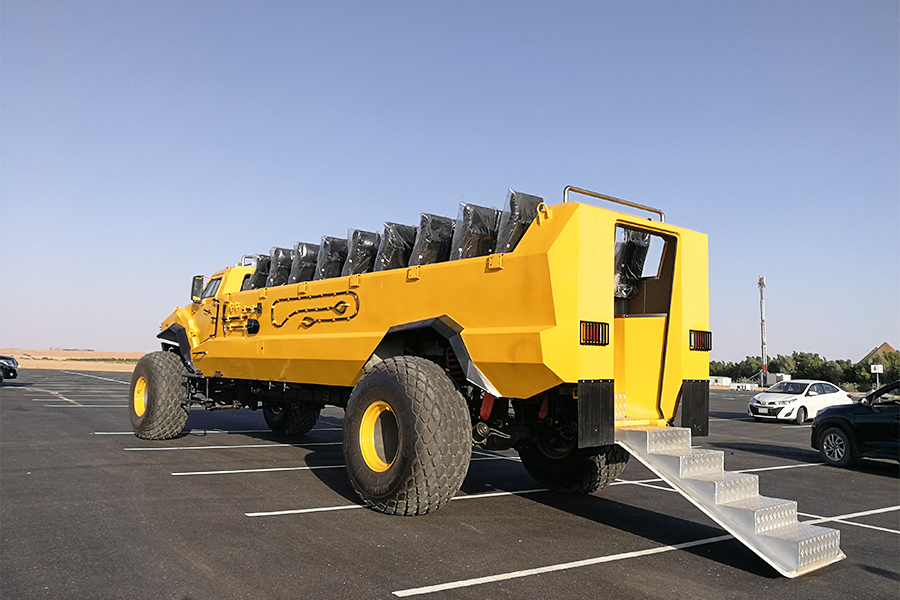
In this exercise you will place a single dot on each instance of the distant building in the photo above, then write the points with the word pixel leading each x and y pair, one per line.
pixel 874 354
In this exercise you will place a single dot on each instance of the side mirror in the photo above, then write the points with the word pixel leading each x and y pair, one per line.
pixel 196 288
pixel 812 393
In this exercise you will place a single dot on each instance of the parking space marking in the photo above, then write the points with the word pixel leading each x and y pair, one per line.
pixel 302 511
pixel 276 469
pixel 780 467
pixel 552 568
pixel 82 399
pixel 843 518
pixel 97 377
pixel 188 432
pixel 87 405
pixel 163 448
pixel 611 558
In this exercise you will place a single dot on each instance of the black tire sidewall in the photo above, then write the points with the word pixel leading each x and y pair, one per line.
pixel 378 386
pixel 164 415
pixel 292 419
pixel 434 437
pixel 582 471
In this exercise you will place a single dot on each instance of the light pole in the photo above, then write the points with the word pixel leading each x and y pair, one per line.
pixel 764 371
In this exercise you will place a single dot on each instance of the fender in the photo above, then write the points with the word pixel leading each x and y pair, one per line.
pixel 449 330
pixel 176 334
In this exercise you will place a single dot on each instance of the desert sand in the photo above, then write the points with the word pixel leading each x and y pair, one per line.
pixel 74 360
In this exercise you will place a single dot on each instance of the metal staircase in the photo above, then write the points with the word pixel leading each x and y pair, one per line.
pixel 768 526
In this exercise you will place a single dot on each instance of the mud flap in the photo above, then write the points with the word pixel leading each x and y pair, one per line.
pixel 695 406
pixel 596 413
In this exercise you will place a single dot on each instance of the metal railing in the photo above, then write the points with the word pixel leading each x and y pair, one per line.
pixel 662 215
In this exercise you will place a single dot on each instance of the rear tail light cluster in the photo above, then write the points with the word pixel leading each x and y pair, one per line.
pixel 594 334
pixel 701 340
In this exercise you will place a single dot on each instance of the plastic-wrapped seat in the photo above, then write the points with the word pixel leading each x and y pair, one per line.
pixel 331 258
pixel 257 280
pixel 279 266
pixel 433 240
pixel 631 252
pixel 303 262
pixel 362 248
pixel 396 247
pixel 520 211
pixel 476 231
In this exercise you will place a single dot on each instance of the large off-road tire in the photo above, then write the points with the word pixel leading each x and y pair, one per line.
pixel 835 447
pixel 158 398
pixel 291 419
pixel 578 472
pixel 407 437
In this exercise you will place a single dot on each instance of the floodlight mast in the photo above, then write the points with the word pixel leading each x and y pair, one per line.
pixel 764 370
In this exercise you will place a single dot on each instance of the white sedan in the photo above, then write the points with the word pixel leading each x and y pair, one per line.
pixel 796 400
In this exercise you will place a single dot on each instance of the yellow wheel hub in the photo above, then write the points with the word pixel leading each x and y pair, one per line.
pixel 139 401
pixel 378 436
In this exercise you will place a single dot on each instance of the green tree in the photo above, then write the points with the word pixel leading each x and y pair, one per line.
pixel 782 364
pixel 808 365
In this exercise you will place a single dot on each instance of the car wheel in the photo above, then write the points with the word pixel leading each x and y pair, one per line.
pixel 835 447
pixel 801 416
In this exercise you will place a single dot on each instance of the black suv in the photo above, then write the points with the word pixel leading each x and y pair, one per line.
pixel 868 428
pixel 9 367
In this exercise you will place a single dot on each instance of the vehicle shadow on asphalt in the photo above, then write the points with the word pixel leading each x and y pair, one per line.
pixel 7 383
pixel 664 529
pixel 870 466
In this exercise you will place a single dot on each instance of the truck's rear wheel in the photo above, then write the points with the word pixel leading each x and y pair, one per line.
pixel 407 437
pixel 158 399
pixel 577 472
pixel 291 419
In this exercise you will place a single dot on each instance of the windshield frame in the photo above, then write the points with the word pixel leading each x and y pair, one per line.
pixel 788 387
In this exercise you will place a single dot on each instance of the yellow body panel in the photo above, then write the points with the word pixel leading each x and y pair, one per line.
pixel 520 315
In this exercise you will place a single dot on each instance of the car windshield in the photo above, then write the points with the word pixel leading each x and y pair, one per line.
pixel 787 387
pixel 889 396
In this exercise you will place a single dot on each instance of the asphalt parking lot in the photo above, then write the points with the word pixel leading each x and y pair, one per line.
pixel 230 510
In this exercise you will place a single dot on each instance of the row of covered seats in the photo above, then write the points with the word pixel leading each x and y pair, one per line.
pixel 477 231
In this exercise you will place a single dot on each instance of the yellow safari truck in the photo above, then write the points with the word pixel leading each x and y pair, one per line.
pixel 570 333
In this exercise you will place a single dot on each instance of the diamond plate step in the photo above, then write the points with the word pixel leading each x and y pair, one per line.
pixel 806 545
pixel 723 487
pixel 761 514
pixel 768 526
pixel 691 462
pixel 653 439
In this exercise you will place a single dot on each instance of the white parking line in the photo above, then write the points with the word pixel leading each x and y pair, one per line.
pixel 841 519
pixel 780 467
pixel 97 377
pixel 276 469
pixel 551 568
pixel 301 511
pixel 190 431
pixel 85 399
pixel 164 448
pixel 56 396
pixel 604 559
pixel 87 405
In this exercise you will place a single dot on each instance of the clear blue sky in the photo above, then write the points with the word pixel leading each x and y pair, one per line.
pixel 145 142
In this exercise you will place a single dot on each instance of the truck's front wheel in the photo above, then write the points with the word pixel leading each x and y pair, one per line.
pixel 407 437
pixel 578 472
pixel 291 419
pixel 158 399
